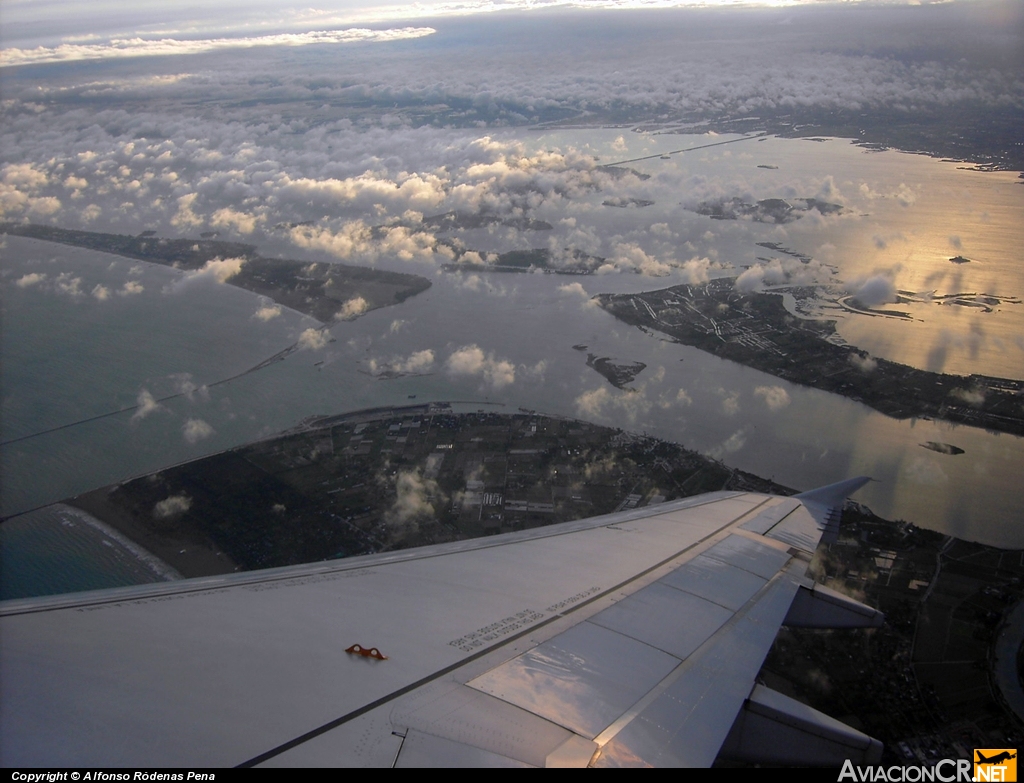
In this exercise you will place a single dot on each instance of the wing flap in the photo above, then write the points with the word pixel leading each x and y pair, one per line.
pixel 576 679
pixel 686 720
pixel 666 618
pixel 716 581
pixel 421 750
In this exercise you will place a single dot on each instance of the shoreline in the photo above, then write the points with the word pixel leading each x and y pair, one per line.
pixel 755 331
pixel 337 507
pixel 188 556
pixel 298 285
pixel 162 569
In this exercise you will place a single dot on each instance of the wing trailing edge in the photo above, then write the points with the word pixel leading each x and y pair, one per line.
pixel 825 504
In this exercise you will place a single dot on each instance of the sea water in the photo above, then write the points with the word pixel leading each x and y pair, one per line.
pixel 71 358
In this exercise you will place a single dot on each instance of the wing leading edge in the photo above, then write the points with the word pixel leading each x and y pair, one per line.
pixel 633 638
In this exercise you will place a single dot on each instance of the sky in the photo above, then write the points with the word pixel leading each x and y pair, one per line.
pixel 204 125
pixel 85 30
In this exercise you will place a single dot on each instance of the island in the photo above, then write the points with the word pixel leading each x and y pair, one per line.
pixel 618 375
pixel 325 291
pixel 451 221
pixel 756 330
pixel 569 262
pixel 942 448
pixel 624 203
pixel 780 248
pixel 769 210
pixel 392 478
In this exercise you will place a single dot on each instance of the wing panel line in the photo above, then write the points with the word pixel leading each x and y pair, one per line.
pixel 202 584
pixel 694 659
pixel 314 733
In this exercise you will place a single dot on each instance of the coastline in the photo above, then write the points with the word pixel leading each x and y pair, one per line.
pixel 755 330
pixel 187 555
pixel 162 569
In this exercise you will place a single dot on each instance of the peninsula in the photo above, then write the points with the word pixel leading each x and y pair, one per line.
pixel 757 331
pixel 325 291
pixel 393 478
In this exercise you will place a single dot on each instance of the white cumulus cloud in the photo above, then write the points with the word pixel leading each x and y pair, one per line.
pixel 312 339
pixel 471 360
pixel 196 430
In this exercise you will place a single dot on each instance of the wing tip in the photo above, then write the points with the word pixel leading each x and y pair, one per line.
pixel 825 504
pixel 831 494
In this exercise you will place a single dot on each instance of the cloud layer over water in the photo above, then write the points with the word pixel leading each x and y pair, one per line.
pixel 168 47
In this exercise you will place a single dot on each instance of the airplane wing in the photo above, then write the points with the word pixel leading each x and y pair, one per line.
pixel 628 639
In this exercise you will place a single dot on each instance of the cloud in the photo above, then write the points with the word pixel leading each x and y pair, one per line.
pixel 629 256
pixel 357 143
pixel 101 292
pixel 146 405
pixel 186 218
pixel 241 222
pixel 142 47
pixel 479 284
pixel 172 506
pixel 775 397
pixel 219 270
pixel 33 278
pixel 184 384
pixel 591 403
pixel 417 363
pixel 781 271
pixel 925 471
pixel 904 195
pixel 730 401
pixel 730 445
pixel 863 362
pixel 876 290
pixel 471 360
pixel 312 339
pixel 416 498
pixel 536 371
pixel 196 430
pixel 25 176
pixel 575 289
pixel 68 285
pixel 973 397
pixel 352 309
pixel 695 270
pixel 420 361
pixel 267 311
pixel 597 403
pixel 667 399
pixel 130 288
pixel 356 240
pixel 829 191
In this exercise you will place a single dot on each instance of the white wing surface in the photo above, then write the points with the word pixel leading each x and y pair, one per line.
pixel 629 639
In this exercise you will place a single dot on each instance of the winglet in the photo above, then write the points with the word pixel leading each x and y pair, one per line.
pixel 826 504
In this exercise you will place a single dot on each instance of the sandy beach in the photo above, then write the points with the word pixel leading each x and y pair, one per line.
pixel 187 551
